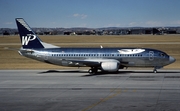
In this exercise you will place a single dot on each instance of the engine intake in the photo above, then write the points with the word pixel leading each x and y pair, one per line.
pixel 110 66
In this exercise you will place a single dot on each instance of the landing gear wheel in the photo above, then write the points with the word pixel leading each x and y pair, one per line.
pixel 92 71
pixel 155 70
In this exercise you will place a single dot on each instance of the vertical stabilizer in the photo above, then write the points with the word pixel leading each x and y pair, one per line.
pixel 28 38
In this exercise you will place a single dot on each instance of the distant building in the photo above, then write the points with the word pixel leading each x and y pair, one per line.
pixel 6 33
pixel 98 31
pixel 67 33
pixel 144 31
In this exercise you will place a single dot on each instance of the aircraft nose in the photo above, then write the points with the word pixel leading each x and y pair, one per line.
pixel 171 59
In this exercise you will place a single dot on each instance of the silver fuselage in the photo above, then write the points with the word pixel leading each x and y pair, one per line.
pixel 79 57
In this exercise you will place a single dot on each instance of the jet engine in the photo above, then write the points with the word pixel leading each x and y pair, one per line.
pixel 110 66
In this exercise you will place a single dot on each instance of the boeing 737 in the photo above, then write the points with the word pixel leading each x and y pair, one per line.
pixel 104 59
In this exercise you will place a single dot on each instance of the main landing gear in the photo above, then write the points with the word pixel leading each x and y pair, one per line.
pixel 93 70
pixel 155 70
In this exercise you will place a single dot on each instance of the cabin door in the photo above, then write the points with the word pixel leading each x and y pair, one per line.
pixel 100 55
pixel 46 56
pixel 151 55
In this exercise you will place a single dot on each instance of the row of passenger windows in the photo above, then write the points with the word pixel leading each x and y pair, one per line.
pixel 96 55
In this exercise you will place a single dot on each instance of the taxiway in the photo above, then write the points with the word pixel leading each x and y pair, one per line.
pixel 76 90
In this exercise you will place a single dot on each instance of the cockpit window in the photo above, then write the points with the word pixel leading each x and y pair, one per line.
pixel 162 55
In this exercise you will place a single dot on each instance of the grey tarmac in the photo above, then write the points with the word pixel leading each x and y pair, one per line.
pixel 76 90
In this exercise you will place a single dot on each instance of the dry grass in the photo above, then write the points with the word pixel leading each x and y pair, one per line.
pixel 10 59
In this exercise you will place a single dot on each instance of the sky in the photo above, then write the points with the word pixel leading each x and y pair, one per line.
pixel 90 13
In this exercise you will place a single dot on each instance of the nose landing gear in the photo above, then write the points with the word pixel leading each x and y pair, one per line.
pixel 157 67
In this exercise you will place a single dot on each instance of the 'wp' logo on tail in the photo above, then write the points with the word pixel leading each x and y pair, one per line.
pixel 28 38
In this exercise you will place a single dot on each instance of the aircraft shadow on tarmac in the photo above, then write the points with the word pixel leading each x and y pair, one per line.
pixel 85 72
pixel 108 73
pixel 56 71
pixel 128 72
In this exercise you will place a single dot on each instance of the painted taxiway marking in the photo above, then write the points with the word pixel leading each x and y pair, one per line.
pixel 116 92
pixel 113 93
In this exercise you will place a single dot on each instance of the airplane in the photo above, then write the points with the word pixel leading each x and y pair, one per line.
pixel 104 59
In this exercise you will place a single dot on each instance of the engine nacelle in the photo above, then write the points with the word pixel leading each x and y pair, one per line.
pixel 110 66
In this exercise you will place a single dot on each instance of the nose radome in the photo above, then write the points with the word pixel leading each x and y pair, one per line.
pixel 171 59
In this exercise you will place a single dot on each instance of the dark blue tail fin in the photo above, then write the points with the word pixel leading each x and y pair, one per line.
pixel 28 38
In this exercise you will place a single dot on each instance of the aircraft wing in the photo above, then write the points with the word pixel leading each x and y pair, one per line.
pixel 91 62
pixel 82 63
pixel 104 64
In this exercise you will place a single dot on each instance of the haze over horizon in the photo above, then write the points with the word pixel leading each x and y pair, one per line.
pixel 91 14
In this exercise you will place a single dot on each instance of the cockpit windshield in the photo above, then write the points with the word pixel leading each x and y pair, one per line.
pixel 162 55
